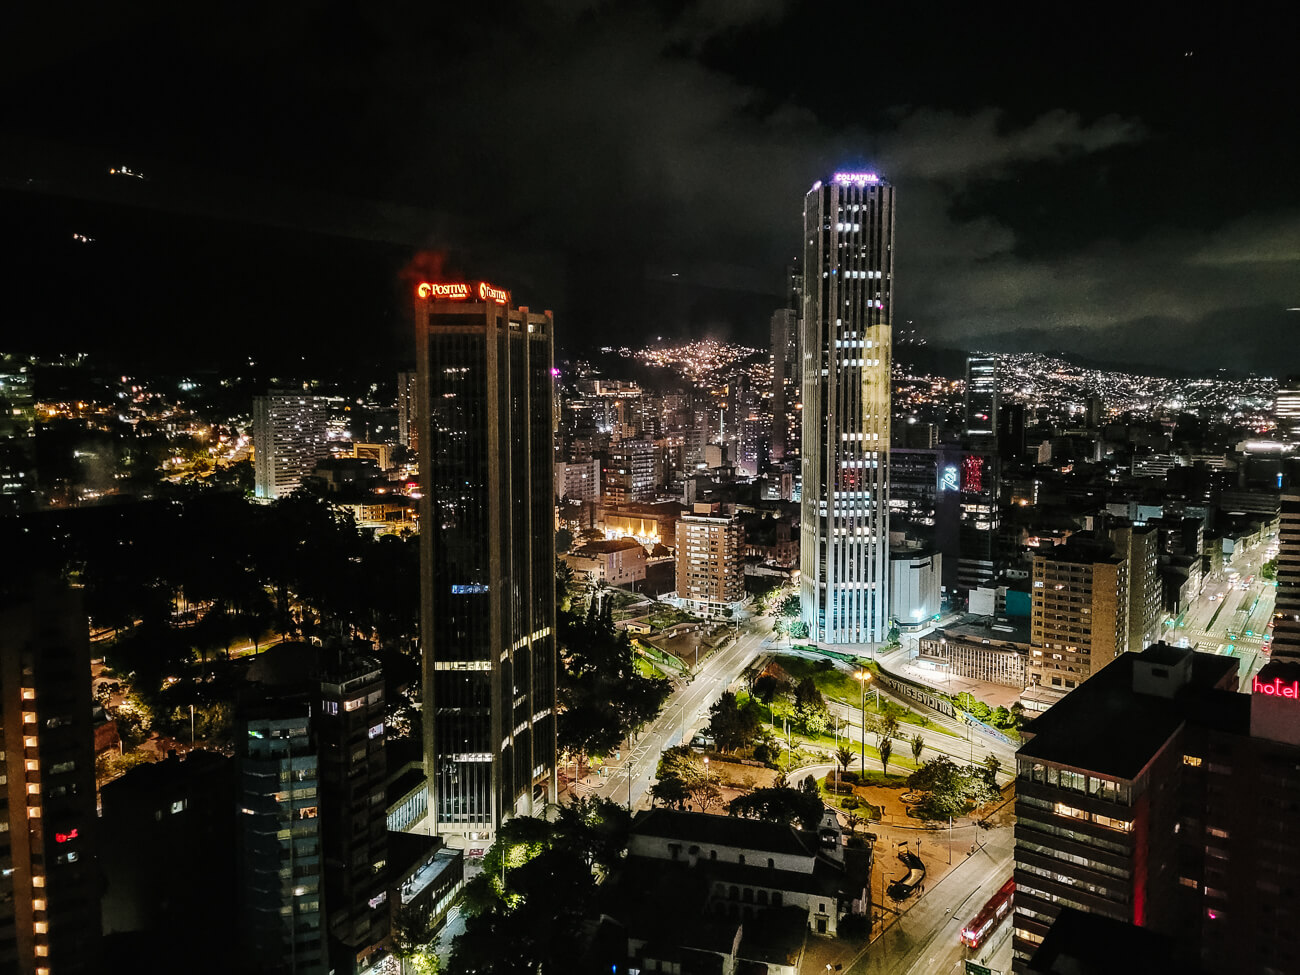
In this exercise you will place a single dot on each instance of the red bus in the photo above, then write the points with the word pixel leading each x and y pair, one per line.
pixel 989 917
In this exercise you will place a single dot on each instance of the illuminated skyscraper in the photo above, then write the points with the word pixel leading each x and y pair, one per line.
pixel 785 382
pixel 406 426
pixel 981 396
pixel 1286 408
pixel 17 435
pixel 288 440
pixel 846 343
pixel 487 558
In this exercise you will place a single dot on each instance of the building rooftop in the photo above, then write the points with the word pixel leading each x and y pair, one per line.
pixel 733 831
pixel 1013 629
pixel 1105 726
pixel 608 545
pixel 1090 944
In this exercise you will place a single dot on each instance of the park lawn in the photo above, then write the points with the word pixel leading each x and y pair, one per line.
pixel 647 669
pixel 841 686
pixel 828 742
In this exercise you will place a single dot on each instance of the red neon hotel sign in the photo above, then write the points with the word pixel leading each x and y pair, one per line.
pixel 1277 688
pixel 460 292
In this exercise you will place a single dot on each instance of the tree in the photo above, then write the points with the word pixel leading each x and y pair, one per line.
pixel 603 697
pixel 706 795
pixel 814 719
pixel 768 687
pixel 672 791
pixel 809 785
pixel 992 765
pixel 799 630
pixel 918 743
pixel 790 607
pixel 780 805
pixel 731 725
pixel 887 725
pixel 844 755
pixel 886 748
pixel 952 789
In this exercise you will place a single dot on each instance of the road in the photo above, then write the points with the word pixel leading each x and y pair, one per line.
pixel 1208 623
pixel 925 940
pixel 681 713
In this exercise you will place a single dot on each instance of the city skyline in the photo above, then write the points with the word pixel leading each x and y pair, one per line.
pixel 891 563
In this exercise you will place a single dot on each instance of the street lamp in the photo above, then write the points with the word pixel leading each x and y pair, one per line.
pixel 706 769
pixel 863 677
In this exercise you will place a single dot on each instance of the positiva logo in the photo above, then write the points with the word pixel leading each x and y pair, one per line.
pixel 452 292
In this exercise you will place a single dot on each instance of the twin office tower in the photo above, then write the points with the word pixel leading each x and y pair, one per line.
pixel 485 428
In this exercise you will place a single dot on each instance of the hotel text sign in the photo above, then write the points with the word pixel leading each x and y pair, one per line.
pixel 1277 688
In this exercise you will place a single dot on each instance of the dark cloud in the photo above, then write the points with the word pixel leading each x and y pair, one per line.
pixel 642 166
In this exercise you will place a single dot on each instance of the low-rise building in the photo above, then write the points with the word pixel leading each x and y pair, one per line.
pixel 990 649
pixel 613 561
pixel 750 892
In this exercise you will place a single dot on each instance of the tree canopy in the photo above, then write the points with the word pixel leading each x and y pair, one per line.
pixel 602 696
pixel 780 805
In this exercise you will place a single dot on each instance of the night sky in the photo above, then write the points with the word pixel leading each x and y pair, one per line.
pixel 1119 181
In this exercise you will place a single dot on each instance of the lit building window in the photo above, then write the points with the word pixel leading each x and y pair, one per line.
pixel 29 694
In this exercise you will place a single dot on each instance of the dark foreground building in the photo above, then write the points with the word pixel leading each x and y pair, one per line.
pixel 487 558
pixel 1158 795
pixel 50 884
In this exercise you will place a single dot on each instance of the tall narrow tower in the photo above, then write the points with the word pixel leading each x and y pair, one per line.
pixel 848 270
pixel 487 558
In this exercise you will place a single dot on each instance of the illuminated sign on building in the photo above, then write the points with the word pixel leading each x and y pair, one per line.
pixel 949 479
pixel 1277 688
pixel 856 179
pixel 460 292
pixel 449 292
pixel 65 837
pixel 489 293
pixel 972 474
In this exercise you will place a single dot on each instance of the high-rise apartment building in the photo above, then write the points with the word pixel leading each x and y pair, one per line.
pixel 281 910
pixel 349 732
pixel 487 558
pixel 407 428
pixel 313 831
pixel 629 474
pixel 50 884
pixel 1157 795
pixel 982 396
pixel 1286 608
pixel 17 435
pixel 846 334
pixel 710 562
pixel 288 439
pixel 1079 616
pixel 786 383
pixel 1140 545
pixel 1286 407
